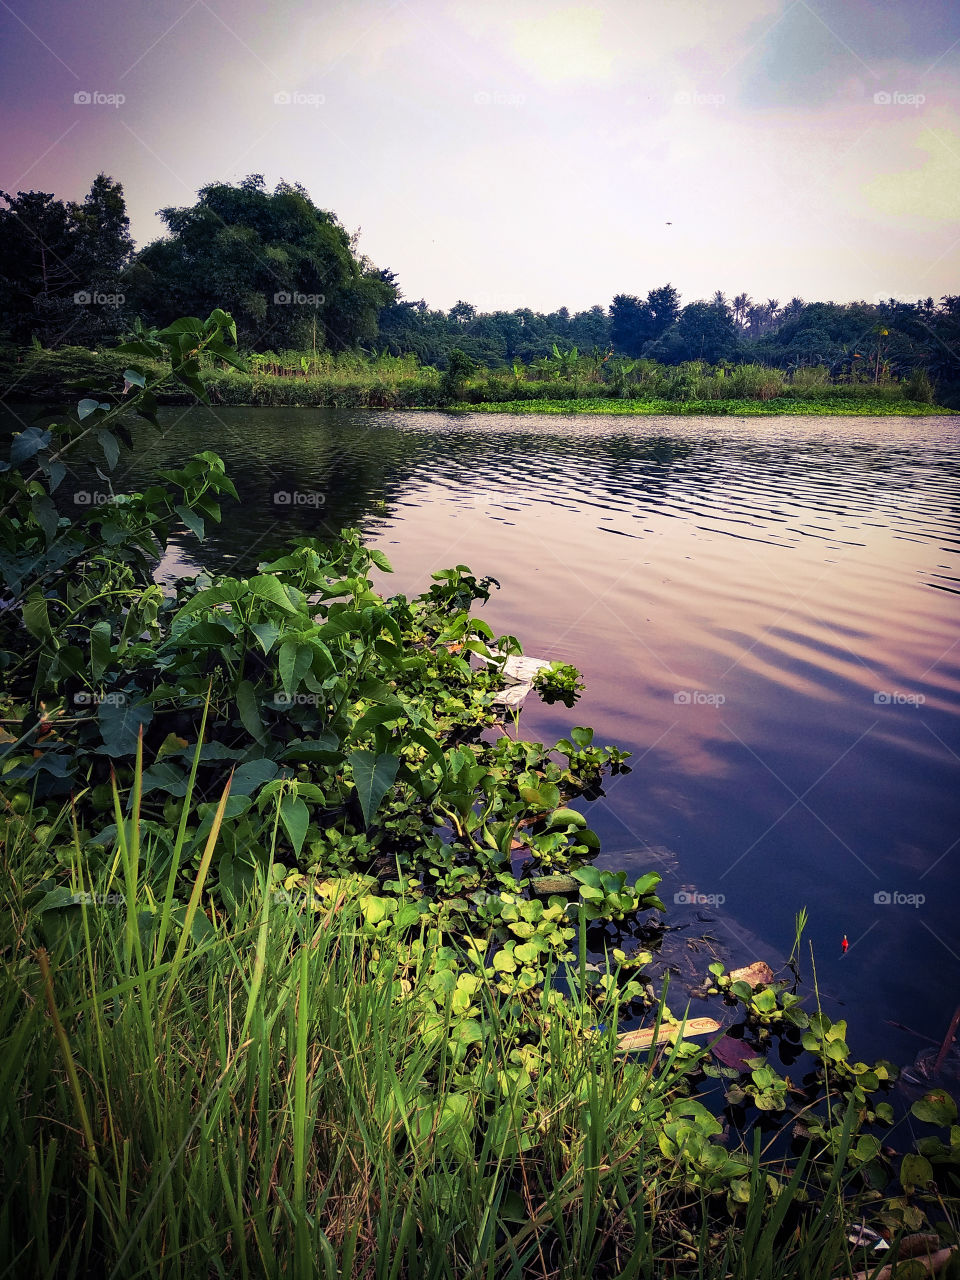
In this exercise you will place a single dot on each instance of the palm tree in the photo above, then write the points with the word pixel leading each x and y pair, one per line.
pixel 740 304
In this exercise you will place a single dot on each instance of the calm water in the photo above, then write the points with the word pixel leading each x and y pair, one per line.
pixel 766 615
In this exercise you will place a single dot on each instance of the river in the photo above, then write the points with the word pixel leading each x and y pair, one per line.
pixel 765 611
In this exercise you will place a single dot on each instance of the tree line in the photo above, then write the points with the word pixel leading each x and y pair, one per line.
pixel 293 278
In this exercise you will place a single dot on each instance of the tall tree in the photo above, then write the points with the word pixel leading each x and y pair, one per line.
pixel 61 264
pixel 634 323
pixel 284 268
pixel 707 331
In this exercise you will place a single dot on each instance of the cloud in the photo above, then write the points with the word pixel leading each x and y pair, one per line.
pixel 930 189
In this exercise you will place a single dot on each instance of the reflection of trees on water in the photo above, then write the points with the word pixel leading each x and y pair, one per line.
pixel 310 472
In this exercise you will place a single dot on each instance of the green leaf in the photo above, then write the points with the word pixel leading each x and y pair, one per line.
pixel 46 515
pixel 186 325
pixel 294 662
pixel 323 748
pixel 228 592
pixel 582 737
pixel 120 720
pixel 54 899
pixel 295 817
pixel 936 1107
pixel 35 616
pixel 165 777
pixel 373 775
pixel 915 1171
pixel 223 352
pixel 379 559
pixel 86 407
pixel 249 710
pixel 251 775
pixel 867 1148
pixel 193 522
pixel 377 715
pixel 266 633
pixel 30 441
pixel 134 377
pixel 266 587
pixel 644 885
pixel 100 648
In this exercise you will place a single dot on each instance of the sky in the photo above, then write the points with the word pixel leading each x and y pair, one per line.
pixel 517 153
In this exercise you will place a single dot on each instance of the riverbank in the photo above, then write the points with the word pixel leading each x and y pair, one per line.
pixel 857 403
pixel 30 375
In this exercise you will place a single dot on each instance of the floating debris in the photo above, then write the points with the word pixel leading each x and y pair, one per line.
pixel 865 1237
pixel 758 974
pixel 627 1041
pixel 920 1249
pixel 520 672
pixel 736 1053
pixel 544 886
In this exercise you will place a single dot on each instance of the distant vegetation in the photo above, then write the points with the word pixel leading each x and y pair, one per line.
pixel 562 383
pixel 292 277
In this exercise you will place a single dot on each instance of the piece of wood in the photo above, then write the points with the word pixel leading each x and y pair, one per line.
pixel 643 1039
pixel 543 886
pixel 931 1264
pixel 758 974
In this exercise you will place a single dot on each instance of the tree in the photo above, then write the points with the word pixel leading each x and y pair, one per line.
pixel 634 323
pixel 61 264
pixel 462 312
pixel 286 269
pixel 707 331
pixel 740 305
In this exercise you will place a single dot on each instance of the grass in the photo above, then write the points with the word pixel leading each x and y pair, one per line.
pixel 862 405
pixel 252 1094
pixel 401 382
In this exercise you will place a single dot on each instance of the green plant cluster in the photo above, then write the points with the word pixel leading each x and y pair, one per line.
pixel 357 380
pixel 559 682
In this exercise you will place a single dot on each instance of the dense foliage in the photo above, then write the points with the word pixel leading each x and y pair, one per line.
pixel 61 265
pixel 293 280
pixel 286 978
